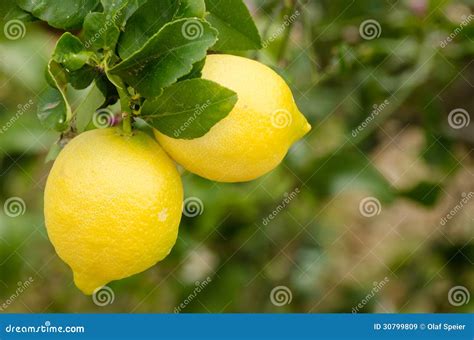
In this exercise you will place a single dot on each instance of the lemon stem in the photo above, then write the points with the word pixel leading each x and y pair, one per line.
pixel 127 123
pixel 125 103
pixel 124 96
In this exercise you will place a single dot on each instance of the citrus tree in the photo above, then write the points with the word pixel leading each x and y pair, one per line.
pixel 387 86
pixel 114 197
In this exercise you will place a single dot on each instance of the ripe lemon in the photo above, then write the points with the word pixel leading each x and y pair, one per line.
pixel 112 206
pixel 256 135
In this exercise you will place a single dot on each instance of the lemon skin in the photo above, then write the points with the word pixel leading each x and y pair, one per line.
pixel 255 136
pixel 112 206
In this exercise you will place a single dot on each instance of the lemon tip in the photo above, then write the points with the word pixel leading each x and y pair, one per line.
pixel 307 128
pixel 85 284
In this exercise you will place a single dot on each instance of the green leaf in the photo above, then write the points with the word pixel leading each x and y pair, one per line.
pixel 10 11
pixel 100 32
pixel 196 71
pixel 167 56
pixel 189 109
pixel 70 52
pixel 87 107
pixel 116 81
pixel 142 25
pixel 57 75
pixel 114 6
pixel 109 91
pixel 191 8
pixel 53 152
pixel 52 110
pixel 82 78
pixel 237 30
pixel 121 88
pixel 64 14
pixel 121 9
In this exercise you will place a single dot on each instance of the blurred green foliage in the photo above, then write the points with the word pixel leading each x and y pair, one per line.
pixel 320 246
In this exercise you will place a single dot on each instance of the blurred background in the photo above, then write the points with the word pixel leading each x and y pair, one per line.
pixel 371 212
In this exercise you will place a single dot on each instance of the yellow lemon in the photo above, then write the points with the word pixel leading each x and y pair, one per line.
pixel 256 135
pixel 112 206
